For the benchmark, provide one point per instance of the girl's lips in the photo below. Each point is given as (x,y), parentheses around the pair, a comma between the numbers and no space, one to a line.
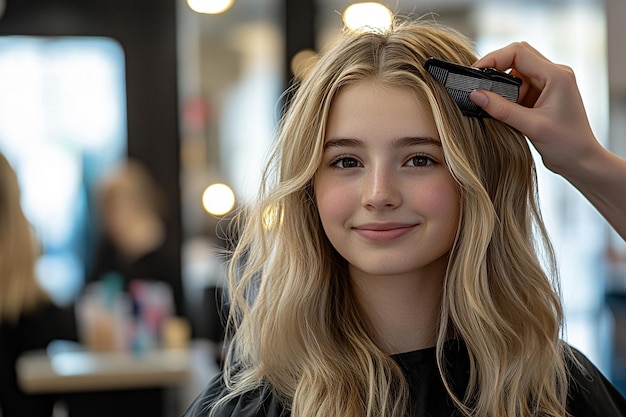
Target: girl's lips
(384,234)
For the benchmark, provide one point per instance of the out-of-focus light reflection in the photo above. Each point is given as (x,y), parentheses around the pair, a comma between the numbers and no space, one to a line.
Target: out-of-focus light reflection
(210,6)
(218,199)
(303,62)
(272,217)
(368,17)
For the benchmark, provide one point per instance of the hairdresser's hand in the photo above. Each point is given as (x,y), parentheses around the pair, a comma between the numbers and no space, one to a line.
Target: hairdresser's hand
(551,112)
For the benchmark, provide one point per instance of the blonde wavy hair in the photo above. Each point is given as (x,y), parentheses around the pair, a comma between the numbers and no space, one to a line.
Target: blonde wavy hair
(295,324)
(20,291)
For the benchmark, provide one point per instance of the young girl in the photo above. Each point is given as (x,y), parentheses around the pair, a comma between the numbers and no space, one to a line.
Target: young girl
(392,265)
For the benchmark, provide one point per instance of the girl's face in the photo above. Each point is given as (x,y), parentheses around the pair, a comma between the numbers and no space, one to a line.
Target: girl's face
(387,202)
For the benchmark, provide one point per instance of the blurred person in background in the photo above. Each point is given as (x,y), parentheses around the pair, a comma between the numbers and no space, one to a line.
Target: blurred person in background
(133,219)
(29,319)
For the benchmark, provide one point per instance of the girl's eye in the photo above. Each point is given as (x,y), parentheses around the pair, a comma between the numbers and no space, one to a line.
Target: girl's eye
(420,161)
(345,162)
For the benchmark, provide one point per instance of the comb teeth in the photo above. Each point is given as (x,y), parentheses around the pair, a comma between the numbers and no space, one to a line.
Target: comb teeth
(461,98)
(439,74)
(465,83)
(459,87)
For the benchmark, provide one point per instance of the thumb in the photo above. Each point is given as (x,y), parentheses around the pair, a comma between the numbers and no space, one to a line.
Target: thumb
(499,108)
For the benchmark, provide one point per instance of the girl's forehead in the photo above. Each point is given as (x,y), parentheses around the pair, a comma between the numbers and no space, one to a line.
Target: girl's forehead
(372,108)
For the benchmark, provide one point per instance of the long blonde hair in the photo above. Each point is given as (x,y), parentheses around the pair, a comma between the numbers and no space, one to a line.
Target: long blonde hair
(295,323)
(19,289)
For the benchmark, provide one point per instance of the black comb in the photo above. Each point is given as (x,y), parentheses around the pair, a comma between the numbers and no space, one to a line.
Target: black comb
(460,81)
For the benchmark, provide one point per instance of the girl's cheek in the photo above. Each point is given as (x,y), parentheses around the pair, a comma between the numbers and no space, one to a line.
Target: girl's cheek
(334,200)
(440,198)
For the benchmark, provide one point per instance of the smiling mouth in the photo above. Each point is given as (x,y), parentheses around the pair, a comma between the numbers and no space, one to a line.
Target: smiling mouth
(384,234)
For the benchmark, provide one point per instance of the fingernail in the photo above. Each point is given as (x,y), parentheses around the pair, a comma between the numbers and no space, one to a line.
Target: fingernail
(479,98)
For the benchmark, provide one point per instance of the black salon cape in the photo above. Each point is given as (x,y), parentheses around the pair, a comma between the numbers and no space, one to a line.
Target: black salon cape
(33,331)
(591,394)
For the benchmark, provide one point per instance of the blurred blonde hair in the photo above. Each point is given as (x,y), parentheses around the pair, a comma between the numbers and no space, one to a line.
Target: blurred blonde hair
(20,291)
(295,323)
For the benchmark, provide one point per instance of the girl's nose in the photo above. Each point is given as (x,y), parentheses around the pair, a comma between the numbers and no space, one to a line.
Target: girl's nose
(380,189)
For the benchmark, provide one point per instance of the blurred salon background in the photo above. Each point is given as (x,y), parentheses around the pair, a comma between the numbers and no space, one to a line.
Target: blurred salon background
(135,127)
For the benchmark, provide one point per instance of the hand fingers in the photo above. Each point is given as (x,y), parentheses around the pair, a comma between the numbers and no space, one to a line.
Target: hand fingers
(523,58)
(498,58)
(528,94)
(504,110)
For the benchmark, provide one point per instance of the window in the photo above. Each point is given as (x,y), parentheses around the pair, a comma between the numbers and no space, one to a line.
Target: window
(62,124)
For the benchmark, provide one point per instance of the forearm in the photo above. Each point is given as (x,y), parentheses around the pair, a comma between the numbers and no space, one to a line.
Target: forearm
(602,180)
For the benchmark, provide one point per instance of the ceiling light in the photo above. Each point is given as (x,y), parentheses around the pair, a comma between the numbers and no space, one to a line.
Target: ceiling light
(210,6)
(218,199)
(368,17)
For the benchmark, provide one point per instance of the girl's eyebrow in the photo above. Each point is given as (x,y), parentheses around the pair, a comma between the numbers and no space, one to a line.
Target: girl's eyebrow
(408,141)
(403,142)
(342,143)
